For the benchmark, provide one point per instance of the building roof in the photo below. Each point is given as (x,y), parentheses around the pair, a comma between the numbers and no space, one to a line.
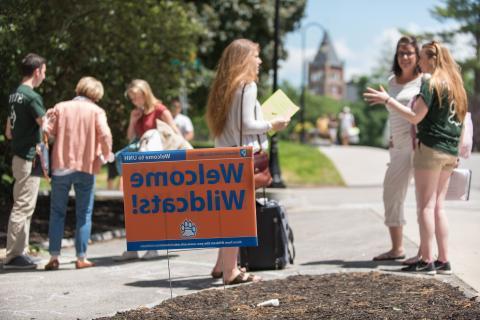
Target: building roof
(326,54)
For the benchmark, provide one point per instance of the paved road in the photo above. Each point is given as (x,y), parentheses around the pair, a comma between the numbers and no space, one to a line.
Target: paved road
(336,230)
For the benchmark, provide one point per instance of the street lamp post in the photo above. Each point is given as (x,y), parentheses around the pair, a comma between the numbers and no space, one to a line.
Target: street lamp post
(273,161)
(304,75)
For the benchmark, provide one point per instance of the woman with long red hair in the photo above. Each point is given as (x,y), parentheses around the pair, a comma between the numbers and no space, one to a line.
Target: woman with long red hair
(234,88)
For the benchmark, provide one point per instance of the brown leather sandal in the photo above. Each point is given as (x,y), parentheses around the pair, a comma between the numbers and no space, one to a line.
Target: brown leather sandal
(52,265)
(79,264)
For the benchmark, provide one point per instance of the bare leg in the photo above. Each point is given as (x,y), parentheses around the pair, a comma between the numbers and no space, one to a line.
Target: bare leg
(396,235)
(218,264)
(230,270)
(426,182)
(227,264)
(441,222)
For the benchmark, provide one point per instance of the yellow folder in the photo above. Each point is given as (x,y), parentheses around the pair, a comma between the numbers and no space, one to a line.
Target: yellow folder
(278,105)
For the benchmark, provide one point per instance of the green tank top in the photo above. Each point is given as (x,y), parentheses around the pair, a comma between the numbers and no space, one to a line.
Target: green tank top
(440,129)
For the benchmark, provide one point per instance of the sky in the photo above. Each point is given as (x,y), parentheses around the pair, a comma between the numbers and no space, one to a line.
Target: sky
(361,30)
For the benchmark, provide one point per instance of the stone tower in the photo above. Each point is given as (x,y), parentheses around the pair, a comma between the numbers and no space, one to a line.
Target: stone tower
(325,73)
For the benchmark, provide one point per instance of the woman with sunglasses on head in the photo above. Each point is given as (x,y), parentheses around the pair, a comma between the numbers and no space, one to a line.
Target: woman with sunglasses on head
(439,113)
(403,85)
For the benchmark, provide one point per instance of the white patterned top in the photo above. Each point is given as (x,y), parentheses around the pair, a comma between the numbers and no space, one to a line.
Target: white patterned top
(403,93)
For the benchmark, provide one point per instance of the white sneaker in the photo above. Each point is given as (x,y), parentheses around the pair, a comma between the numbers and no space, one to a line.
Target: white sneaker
(150,254)
(127,255)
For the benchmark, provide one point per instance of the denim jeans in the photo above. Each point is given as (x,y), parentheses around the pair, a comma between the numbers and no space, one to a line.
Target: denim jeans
(84,186)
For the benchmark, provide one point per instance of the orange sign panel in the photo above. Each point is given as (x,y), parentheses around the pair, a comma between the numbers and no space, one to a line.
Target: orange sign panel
(189,199)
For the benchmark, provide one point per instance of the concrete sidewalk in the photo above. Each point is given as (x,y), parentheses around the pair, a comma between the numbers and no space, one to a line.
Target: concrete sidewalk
(368,169)
(336,230)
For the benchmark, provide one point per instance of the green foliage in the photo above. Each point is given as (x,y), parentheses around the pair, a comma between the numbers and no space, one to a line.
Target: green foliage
(115,41)
(233,19)
(167,43)
(370,120)
(201,129)
(112,40)
(466,13)
(6,179)
(253,19)
(306,165)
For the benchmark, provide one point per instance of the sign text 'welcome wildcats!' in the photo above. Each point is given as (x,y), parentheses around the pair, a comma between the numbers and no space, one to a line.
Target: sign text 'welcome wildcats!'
(189,199)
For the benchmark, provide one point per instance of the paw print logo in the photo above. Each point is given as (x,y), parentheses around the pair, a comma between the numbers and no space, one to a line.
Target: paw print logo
(188,229)
(243,152)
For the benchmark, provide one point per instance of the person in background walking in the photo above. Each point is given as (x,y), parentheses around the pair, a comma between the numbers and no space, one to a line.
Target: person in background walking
(83,142)
(23,128)
(332,128)
(183,122)
(403,86)
(439,113)
(347,122)
(234,88)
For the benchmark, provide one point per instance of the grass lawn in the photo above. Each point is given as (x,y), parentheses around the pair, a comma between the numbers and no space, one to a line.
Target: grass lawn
(301,165)
(304,165)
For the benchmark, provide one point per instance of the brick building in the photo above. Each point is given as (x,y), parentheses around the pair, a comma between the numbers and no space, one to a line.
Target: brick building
(325,72)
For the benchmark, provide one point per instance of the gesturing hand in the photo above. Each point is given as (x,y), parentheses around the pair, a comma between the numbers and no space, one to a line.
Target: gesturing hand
(373,96)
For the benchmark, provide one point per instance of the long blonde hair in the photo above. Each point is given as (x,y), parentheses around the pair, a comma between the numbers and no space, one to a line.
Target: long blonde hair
(142,86)
(446,75)
(234,69)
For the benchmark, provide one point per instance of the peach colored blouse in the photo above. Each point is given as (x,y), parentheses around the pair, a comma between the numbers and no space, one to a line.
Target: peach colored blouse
(81,134)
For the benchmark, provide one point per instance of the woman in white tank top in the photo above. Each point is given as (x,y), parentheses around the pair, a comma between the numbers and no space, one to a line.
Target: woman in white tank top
(404,84)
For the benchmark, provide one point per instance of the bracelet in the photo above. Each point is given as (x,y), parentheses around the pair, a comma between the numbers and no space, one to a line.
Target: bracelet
(386,100)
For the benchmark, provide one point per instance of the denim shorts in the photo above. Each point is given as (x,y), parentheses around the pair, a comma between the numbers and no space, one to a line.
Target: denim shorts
(431,159)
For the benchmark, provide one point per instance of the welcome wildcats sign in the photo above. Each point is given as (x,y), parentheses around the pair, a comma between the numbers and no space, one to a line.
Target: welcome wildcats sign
(189,199)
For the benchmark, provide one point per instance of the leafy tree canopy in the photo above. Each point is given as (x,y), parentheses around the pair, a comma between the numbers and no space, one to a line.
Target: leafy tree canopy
(467,14)
(113,40)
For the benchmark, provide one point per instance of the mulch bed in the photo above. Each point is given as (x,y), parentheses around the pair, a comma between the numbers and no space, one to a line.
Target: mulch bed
(371,295)
(107,216)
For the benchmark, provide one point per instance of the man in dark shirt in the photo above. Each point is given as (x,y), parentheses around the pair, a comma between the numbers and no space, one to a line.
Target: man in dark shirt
(24,129)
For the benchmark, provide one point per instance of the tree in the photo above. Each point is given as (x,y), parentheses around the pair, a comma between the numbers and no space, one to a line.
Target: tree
(467,14)
(166,42)
(252,19)
(112,40)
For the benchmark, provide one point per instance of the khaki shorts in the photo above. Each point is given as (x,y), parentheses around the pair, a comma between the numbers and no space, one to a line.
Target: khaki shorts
(431,159)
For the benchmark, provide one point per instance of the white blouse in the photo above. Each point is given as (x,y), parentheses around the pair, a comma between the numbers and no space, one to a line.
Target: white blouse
(251,128)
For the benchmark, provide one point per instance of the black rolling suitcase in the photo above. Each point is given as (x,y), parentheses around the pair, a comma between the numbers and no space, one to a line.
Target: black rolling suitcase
(275,239)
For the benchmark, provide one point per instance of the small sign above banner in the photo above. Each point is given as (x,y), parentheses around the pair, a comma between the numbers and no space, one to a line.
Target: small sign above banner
(182,199)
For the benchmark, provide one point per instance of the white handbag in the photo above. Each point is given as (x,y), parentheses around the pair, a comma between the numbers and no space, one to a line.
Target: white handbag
(459,186)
